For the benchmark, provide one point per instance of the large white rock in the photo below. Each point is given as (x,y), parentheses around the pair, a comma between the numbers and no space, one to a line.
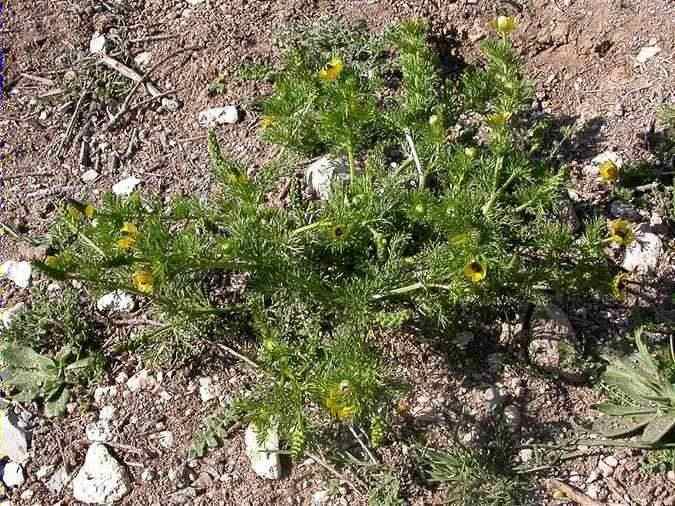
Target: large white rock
(13,439)
(13,475)
(125,186)
(643,254)
(228,114)
(263,454)
(115,301)
(19,272)
(101,480)
(321,174)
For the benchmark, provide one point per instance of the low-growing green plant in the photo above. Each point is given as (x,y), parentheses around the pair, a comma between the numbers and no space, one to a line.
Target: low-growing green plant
(34,371)
(39,376)
(477,476)
(446,213)
(646,402)
(386,491)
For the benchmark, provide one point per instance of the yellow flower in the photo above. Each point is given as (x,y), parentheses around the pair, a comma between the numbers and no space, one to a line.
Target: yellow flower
(332,70)
(621,232)
(609,172)
(77,209)
(498,119)
(126,243)
(470,152)
(130,234)
(143,280)
(618,285)
(266,121)
(337,232)
(475,271)
(338,401)
(89,211)
(129,229)
(51,261)
(504,24)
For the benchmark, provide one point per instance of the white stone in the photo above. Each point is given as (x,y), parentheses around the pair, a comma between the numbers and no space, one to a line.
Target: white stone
(89,176)
(208,390)
(13,475)
(107,413)
(605,470)
(320,498)
(643,253)
(8,315)
(19,272)
(263,455)
(142,380)
(102,394)
(611,461)
(143,60)
(493,397)
(115,301)
(195,2)
(58,481)
(97,44)
(43,472)
(101,480)
(526,454)
(228,114)
(148,475)
(321,174)
(99,432)
(13,439)
(166,439)
(512,415)
(647,53)
(125,186)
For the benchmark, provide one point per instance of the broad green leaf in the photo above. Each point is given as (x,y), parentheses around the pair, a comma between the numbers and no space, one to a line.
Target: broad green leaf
(57,407)
(80,364)
(22,357)
(22,379)
(616,426)
(609,408)
(27,395)
(658,428)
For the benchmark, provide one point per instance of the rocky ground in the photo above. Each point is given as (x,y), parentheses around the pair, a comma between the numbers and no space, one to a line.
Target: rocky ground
(602,66)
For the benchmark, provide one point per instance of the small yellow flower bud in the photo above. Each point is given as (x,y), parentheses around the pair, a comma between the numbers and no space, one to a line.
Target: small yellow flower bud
(143,281)
(504,24)
(332,70)
(609,172)
(475,271)
(621,232)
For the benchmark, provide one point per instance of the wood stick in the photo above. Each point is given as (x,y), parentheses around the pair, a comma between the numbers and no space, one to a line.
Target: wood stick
(129,73)
(69,130)
(572,493)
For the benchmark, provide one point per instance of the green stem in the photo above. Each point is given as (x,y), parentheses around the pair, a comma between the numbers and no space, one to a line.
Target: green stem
(410,288)
(308,228)
(352,165)
(496,192)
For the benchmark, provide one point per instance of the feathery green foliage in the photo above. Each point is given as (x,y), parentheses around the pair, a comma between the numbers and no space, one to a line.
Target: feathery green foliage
(445,212)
